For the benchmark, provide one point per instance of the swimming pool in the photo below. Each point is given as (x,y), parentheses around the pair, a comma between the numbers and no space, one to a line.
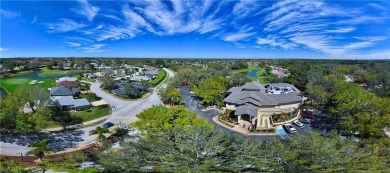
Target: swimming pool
(281,131)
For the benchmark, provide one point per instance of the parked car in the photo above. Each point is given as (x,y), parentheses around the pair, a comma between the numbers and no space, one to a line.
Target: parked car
(305,120)
(298,123)
(308,111)
(290,128)
(309,116)
(108,124)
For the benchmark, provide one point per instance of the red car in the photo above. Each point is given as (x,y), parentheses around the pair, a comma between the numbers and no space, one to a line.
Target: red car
(306,115)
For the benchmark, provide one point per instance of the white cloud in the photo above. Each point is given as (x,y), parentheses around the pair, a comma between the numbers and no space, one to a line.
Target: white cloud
(237,36)
(34,20)
(95,48)
(9,14)
(372,38)
(341,30)
(73,44)
(272,41)
(65,25)
(2,49)
(87,10)
(244,7)
(292,23)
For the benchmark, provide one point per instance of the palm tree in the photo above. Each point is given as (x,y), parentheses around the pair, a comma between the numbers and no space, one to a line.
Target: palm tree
(100,132)
(40,148)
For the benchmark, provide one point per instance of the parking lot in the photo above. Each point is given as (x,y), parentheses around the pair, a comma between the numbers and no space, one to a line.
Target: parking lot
(320,122)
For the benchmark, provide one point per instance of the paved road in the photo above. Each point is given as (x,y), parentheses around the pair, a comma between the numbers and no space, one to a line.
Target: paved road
(124,112)
(192,105)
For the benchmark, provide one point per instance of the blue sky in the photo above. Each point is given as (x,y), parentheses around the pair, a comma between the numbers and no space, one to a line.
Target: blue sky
(196,29)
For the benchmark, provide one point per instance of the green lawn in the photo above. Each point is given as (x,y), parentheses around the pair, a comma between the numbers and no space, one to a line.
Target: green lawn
(92,113)
(20,73)
(159,78)
(261,78)
(48,72)
(11,84)
(85,115)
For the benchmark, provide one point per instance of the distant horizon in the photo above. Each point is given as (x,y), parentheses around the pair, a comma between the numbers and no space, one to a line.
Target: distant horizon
(241,29)
(336,59)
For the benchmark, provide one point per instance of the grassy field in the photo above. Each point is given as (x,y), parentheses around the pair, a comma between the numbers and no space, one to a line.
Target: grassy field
(160,77)
(20,73)
(11,84)
(92,113)
(261,78)
(85,115)
(48,72)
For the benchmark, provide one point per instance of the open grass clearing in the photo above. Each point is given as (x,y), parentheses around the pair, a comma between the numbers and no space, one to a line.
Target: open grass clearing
(11,84)
(84,115)
(48,72)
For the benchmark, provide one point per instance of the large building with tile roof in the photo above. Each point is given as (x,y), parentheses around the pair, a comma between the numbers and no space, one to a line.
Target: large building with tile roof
(249,100)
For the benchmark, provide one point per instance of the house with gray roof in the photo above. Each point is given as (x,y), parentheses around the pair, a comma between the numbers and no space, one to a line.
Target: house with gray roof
(64,91)
(249,100)
(68,102)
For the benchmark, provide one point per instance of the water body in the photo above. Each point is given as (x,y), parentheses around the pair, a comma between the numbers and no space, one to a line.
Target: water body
(36,75)
(3,93)
(252,73)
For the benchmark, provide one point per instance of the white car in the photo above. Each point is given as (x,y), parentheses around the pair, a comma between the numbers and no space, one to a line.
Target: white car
(298,123)
(290,128)
(305,120)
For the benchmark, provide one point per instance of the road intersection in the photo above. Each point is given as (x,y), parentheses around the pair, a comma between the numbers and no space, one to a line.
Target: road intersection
(124,112)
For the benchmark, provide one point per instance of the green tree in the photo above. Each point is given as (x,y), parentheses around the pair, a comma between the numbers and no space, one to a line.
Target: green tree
(170,95)
(107,82)
(238,79)
(32,96)
(363,111)
(318,93)
(130,91)
(210,89)
(160,118)
(100,133)
(40,148)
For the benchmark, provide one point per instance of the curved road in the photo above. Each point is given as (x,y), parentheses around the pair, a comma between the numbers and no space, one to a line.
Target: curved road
(124,112)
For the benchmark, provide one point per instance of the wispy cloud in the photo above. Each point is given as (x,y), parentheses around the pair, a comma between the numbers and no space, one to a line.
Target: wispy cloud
(291,23)
(372,38)
(65,25)
(273,42)
(87,10)
(240,35)
(2,49)
(73,44)
(34,20)
(95,48)
(9,14)
(244,7)
(341,30)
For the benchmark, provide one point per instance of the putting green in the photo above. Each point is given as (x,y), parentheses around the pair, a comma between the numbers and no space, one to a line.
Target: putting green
(11,84)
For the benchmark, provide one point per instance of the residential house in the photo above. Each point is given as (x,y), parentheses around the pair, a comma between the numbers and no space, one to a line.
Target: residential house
(100,74)
(139,78)
(67,78)
(256,103)
(89,75)
(66,83)
(151,73)
(68,102)
(64,91)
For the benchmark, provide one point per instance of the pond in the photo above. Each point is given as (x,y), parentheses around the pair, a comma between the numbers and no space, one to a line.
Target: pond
(35,75)
(252,73)
(3,93)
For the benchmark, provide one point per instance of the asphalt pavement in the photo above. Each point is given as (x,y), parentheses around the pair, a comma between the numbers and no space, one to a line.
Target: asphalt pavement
(191,103)
(124,112)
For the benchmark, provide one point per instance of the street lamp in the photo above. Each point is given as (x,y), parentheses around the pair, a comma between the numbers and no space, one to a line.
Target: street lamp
(21,155)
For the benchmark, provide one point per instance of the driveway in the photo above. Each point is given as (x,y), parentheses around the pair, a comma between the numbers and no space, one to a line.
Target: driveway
(124,112)
(192,104)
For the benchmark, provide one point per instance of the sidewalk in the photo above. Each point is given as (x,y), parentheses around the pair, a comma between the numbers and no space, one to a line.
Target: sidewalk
(56,129)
